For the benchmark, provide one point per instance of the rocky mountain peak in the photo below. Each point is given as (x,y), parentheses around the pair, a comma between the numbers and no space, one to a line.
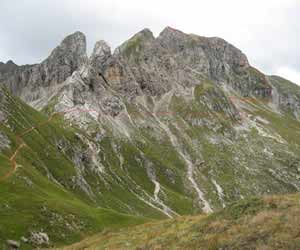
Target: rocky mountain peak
(72,47)
(175,41)
(213,47)
(7,67)
(169,31)
(10,62)
(75,42)
(31,81)
(143,35)
(101,53)
(136,43)
(66,58)
(146,33)
(170,36)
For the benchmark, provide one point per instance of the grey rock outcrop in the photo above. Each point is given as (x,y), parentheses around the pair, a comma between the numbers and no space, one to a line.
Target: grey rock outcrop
(143,65)
(175,58)
(100,55)
(112,106)
(7,70)
(4,142)
(12,244)
(286,95)
(24,239)
(29,81)
(39,239)
(8,67)
(69,56)
(3,115)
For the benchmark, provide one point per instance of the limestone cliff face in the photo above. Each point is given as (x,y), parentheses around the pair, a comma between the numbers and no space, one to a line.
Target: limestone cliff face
(286,95)
(143,65)
(69,56)
(156,65)
(30,81)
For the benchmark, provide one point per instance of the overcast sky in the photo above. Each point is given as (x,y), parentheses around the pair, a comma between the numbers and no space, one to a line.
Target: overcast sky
(268,32)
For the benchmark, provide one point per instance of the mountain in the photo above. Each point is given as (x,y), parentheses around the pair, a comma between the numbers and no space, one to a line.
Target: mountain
(164,126)
(6,69)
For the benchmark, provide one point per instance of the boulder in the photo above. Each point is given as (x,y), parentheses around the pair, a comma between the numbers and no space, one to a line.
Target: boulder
(12,244)
(39,238)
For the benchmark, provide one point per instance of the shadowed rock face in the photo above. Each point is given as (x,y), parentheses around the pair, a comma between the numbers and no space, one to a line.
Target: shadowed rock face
(7,69)
(10,66)
(175,58)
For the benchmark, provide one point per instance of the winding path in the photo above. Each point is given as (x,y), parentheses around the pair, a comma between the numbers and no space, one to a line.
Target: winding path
(21,144)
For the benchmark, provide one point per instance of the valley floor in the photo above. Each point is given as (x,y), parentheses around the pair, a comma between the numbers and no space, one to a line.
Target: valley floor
(266,223)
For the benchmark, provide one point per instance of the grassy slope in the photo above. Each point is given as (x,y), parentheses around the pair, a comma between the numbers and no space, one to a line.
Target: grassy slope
(243,164)
(44,206)
(255,223)
(232,166)
(34,201)
(41,205)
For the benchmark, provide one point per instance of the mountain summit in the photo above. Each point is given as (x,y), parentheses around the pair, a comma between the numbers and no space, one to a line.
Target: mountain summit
(149,65)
